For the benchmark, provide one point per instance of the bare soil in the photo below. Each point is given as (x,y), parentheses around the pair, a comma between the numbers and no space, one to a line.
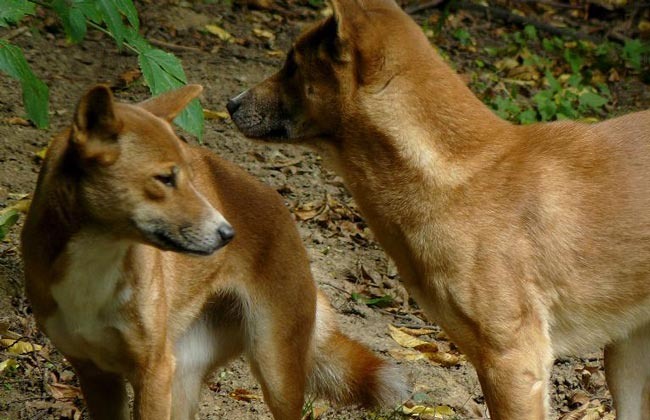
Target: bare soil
(345,259)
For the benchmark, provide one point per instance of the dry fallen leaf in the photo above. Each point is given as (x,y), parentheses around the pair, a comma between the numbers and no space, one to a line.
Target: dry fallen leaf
(41,153)
(221,33)
(263,33)
(416,332)
(21,206)
(8,364)
(64,392)
(241,394)
(213,115)
(443,358)
(408,341)
(435,412)
(19,347)
(408,355)
(63,410)
(16,121)
(128,77)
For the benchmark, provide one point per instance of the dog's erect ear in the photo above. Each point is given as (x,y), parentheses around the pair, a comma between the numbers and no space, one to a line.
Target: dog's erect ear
(345,12)
(95,115)
(169,104)
(95,126)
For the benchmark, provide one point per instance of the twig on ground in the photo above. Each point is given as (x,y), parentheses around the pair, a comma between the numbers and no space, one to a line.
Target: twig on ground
(415,326)
(16,32)
(420,7)
(171,46)
(509,17)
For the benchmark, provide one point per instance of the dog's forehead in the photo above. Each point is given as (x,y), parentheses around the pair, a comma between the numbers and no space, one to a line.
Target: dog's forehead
(148,129)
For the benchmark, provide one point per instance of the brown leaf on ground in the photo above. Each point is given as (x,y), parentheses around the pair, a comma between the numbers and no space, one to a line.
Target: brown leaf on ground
(16,121)
(58,409)
(18,346)
(208,114)
(64,392)
(127,77)
(241,394)
(416,332)
(221,33)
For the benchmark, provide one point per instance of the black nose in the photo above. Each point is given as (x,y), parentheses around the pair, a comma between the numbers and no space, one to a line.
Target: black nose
(233,105)
(226,232)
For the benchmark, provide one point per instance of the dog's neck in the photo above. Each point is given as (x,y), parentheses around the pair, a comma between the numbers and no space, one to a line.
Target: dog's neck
(428,124)
(57,212)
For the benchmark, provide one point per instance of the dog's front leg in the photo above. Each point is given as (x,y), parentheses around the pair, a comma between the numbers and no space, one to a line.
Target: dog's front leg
(515,373)
(153,386)
(104,393)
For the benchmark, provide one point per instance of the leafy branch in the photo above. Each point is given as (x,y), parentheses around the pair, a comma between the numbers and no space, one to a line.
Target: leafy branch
(162,71)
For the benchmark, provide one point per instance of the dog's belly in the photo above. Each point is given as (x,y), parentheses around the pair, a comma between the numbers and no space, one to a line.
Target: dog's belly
(581,328)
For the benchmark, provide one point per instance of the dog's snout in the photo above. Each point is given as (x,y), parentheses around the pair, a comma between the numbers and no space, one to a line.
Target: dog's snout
(234,103)
(226,232)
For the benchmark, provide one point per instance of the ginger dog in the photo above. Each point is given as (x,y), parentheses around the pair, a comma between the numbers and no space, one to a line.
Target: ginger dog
(522,242)
(119,189)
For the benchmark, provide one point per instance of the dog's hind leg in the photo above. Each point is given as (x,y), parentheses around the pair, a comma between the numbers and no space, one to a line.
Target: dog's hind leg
(627,365)
(278,349)
(213,339)
(105,393)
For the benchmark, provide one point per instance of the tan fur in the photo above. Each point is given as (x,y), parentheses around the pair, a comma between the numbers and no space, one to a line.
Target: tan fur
(522,242)
(116,193)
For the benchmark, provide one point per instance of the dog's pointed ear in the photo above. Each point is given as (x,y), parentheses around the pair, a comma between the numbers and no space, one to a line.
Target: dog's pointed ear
(169,104)
(95,126)
(345,14)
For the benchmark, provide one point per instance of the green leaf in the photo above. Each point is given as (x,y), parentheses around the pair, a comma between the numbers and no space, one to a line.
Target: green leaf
(127,8)
(134,39)
(545,106)
(7,220)
(531,32)
(632,52)
(110,14)
(529,116)
(553,83)
(35,92)
(73,18)
(162,72)
(574,59)
(12,11)
(89,9)
(592,100)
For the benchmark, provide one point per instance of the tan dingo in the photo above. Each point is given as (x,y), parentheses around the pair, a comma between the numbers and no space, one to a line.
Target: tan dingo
(522,242)
(116,191)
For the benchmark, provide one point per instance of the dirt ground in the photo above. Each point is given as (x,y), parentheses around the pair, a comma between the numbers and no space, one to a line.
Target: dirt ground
(346,262)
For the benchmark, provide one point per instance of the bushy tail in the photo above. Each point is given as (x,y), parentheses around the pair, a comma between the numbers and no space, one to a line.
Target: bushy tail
(348,373)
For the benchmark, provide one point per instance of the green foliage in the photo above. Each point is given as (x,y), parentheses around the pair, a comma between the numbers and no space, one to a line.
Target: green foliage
(463,36)
(634,51)
(561,80)
(35,92)
(7,220)
(118,18)
(12,11)
(380,301)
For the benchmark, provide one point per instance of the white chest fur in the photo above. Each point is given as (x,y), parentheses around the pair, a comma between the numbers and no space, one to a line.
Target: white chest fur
(89,298)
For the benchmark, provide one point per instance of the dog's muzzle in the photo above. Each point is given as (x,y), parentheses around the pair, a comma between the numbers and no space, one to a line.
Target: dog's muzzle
(257,119)
(190,240)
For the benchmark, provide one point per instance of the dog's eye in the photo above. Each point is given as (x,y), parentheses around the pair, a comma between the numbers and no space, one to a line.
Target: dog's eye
(168,180)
